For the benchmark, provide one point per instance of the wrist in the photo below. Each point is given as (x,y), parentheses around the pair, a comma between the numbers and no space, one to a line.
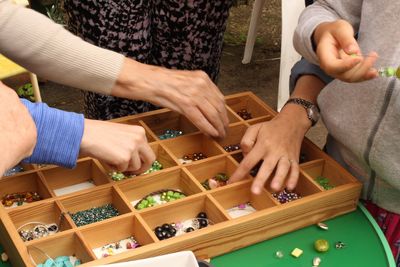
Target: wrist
(296,116)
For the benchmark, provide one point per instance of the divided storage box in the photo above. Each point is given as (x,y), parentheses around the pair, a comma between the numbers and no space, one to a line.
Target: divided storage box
(224,235)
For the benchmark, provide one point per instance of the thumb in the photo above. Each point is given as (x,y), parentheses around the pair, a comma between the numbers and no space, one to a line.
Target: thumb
(344,35)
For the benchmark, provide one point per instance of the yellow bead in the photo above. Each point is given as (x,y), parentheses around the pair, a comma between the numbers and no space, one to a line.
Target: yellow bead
(297,252)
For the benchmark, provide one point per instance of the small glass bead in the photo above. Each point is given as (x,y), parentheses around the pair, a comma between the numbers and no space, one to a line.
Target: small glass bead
(279,254)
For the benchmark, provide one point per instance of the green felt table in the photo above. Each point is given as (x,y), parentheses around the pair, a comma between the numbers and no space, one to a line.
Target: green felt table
(365,246)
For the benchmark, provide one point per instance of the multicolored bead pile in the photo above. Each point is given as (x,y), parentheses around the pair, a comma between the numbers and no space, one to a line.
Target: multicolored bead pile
(218,180)
(116,247)
(159,197)
(286,196)
(93,215)
(20,198)
(14,170)
(170,134)
(324,182)
(189,158)
(166,230)
(119,176)
(231,148)
(389,72)
(61,261)
(244,114)
(38,230)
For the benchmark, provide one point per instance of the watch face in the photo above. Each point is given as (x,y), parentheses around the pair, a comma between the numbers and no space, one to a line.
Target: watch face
(313,114)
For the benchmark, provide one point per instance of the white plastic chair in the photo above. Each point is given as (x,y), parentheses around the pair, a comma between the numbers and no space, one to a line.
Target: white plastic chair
(291,10)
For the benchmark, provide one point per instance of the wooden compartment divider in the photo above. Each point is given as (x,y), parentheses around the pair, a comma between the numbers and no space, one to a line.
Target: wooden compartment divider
(227,233)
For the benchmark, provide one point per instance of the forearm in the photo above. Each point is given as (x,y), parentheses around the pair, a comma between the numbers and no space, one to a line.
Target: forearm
(59,135)
(37,43)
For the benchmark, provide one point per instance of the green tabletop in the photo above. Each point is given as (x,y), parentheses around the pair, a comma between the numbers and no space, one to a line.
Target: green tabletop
(365,246)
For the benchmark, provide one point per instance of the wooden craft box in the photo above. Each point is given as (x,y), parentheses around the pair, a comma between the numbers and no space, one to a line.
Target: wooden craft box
(226,234)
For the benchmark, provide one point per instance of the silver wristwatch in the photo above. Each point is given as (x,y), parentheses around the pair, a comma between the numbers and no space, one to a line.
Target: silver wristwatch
(311,109)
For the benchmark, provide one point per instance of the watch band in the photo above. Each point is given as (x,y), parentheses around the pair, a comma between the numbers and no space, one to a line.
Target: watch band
(307,105)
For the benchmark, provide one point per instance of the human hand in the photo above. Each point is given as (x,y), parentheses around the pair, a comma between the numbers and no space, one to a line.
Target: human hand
(123,147)
(340,55)
(277,143)
(190,93)
(17,129)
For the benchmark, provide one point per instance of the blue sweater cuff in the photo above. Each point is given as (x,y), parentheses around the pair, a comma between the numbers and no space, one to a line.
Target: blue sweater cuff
(59,135)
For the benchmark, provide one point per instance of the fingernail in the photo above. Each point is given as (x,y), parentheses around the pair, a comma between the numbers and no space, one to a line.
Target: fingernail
(351,49)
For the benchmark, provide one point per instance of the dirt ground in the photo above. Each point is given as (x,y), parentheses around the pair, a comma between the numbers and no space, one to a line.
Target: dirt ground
(260,76)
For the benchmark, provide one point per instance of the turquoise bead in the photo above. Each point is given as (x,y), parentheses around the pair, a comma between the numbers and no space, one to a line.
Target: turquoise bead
(61,259)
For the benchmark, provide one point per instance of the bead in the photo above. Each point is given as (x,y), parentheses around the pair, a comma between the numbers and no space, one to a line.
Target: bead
(322,226)
(316,261)
(20,198)
(203,223)
(189,229)
(202,215)
(324,182)
(244,114)
(297,252)
(321,245)
(93,215)
(279,254)
(285,196)
(170,134)
(4,257)
(340,245)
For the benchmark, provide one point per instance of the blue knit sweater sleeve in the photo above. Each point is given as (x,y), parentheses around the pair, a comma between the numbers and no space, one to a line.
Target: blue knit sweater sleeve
(59,135)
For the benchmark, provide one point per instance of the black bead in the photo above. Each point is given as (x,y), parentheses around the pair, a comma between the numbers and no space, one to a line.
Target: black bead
(159,235)
(166,227)
(173,231)
(203,223)
(202,215)
(189,229)
(168,235)
(158,229)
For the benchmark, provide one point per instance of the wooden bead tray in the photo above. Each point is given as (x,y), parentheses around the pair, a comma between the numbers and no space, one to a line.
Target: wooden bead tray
(226,234)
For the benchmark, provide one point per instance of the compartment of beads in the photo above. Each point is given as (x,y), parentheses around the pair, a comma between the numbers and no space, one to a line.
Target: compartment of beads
(22,189)
(233,137)
(238,200)
(184,217)
(39,221)
(325,174)
(65,250)
(146,192)
(97,205)
(305,187)
(86,175)
(247,107)
(215,173)
(163,161)
(169,124)
(106,239)
(191,148)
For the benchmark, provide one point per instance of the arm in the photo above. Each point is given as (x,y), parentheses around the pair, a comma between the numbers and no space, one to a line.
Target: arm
(325,36)
(17,130)
(35,42)
(63,136)
(278,142)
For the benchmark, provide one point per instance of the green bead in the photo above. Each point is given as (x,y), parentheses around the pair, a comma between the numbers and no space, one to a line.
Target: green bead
(398,73)
(390,71)
(141,206)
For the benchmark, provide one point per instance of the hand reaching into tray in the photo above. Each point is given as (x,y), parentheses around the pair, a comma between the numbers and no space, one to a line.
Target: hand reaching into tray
(277,143)
(190,93)
(123,147)
(18,131)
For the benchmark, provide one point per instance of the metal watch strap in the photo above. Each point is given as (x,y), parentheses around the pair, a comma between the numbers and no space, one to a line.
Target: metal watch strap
(305,104)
